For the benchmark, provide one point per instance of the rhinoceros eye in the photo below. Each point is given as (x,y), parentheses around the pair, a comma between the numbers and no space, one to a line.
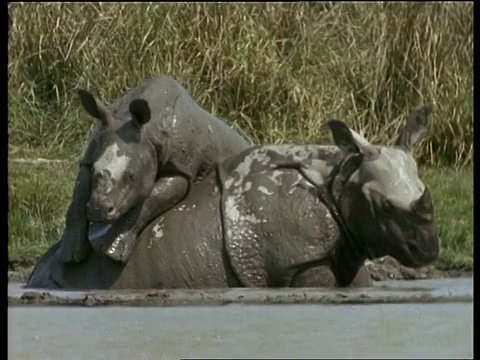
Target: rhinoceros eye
(388,207)
(130,176)
(95,178)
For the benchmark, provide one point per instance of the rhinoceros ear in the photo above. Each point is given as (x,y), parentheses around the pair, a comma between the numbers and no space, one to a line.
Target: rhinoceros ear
(415,128)
(140,111)
(350,141)
(95,108)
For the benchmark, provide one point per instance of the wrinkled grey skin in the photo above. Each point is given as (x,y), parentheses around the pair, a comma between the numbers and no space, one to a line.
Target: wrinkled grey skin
(275,227)
(384,206)
(147,149)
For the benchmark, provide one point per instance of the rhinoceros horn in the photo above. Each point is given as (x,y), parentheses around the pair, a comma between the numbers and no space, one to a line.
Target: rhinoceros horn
(423,206)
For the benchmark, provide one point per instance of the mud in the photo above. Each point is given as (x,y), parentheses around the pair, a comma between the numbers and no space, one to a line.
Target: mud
(453,290)
(387,268)
(382,269)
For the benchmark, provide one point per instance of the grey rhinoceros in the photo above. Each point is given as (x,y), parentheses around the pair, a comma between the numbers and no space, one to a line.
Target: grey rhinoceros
(278,216)
(148,147)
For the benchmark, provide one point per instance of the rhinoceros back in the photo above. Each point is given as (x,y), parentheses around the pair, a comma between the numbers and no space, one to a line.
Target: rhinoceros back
(198,139)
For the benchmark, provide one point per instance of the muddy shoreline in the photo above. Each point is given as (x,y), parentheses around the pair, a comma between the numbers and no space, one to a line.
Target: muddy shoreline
(204,298)
(389,292)
(387,268)
(381,269)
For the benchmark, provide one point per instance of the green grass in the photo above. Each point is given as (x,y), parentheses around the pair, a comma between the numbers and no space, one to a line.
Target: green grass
(38,200)
(452,191)
(39,196)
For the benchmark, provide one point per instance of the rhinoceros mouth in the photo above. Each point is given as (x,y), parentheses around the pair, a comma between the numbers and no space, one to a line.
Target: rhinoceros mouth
(412,255)
(96,233)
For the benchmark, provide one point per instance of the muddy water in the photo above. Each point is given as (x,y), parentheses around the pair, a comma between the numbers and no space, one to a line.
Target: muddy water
(240,331)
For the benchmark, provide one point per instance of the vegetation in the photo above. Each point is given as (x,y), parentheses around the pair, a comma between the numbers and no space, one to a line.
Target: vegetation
(277,71)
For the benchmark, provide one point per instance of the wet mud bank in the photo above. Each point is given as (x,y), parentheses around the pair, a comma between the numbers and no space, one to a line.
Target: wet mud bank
(387,268)
(398,292)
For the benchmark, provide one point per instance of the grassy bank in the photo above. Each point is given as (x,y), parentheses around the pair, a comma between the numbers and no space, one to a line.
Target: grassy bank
(39,196)
(275,70)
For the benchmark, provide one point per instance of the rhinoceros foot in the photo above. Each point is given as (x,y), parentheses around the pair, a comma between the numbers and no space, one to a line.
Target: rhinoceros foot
(75,246)
(121,248)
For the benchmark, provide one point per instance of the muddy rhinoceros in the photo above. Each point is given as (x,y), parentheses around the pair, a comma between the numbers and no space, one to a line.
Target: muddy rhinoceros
(278,216)
(147,149)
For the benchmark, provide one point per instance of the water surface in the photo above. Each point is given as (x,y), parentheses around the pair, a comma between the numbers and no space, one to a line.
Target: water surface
(246,331)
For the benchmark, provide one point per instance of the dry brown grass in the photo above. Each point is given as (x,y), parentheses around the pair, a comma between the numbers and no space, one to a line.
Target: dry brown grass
(276,70)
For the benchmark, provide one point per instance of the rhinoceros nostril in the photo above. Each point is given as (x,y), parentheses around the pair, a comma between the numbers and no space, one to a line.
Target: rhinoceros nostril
(110,210)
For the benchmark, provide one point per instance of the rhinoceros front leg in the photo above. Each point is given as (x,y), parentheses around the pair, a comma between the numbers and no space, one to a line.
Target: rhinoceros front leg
(74,243)
(348,267)
(323,276)
(121,238)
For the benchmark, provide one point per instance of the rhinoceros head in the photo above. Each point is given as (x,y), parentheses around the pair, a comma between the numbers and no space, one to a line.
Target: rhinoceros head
(390,208)
(125,164)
